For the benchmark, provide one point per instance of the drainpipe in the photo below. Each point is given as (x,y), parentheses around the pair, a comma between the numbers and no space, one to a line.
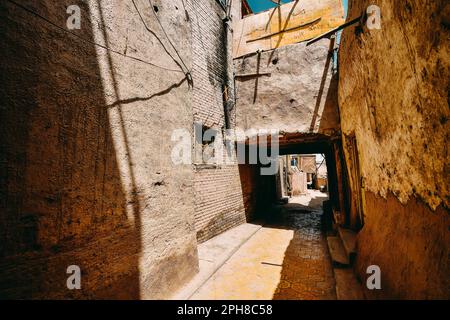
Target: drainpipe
(226,80)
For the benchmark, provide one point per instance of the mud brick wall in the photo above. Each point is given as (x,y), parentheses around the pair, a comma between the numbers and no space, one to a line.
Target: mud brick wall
(393,95)
(298,92)
(85,171)
(218,196)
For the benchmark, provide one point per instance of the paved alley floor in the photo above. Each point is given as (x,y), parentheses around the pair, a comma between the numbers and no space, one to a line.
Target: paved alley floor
(287,258)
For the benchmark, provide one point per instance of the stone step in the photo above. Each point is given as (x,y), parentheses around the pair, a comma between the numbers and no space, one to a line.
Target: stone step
(337,251)
(347,285)
(348,238)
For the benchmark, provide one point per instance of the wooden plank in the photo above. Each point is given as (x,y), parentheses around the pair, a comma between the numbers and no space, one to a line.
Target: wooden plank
(286,24)
(243,75)
(285,30)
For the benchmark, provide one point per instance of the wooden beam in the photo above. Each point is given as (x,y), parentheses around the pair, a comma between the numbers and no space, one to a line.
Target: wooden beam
(243,75)
(333,31)
(285,30)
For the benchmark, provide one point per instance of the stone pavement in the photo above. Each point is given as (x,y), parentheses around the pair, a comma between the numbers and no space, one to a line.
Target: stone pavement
(285,259)
(212,254)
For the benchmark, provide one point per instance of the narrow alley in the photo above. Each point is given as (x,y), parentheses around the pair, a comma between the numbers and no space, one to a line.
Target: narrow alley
(287,258)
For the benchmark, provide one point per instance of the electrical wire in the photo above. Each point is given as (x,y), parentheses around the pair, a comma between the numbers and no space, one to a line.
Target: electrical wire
(167,36)
(156,36)
(87,40)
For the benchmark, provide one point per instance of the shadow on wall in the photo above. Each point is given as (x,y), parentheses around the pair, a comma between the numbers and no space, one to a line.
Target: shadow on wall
(248,175)
(62,201)
(306,271)
(258,192)
(328,121)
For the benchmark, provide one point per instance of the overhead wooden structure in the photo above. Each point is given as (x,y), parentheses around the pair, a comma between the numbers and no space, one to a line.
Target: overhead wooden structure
(289,23)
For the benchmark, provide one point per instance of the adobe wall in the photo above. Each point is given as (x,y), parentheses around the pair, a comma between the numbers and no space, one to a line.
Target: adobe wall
(85,174)
(296,93)
(393,95)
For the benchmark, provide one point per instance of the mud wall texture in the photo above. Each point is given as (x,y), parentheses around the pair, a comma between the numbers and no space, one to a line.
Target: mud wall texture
(393,95)
(296,90)
(410,245)
(85,134)
(218,197)
(290,23)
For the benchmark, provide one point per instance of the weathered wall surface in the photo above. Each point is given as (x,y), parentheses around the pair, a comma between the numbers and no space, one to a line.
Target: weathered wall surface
(299,94)
(393,94)
(218,199)
(299,183)
(410,245)
(210,63)
(288,23)
(235,10)
(250,175)
(85,138)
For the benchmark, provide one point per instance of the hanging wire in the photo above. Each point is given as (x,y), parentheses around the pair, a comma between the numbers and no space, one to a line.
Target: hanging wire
(88,40)
(156,36)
